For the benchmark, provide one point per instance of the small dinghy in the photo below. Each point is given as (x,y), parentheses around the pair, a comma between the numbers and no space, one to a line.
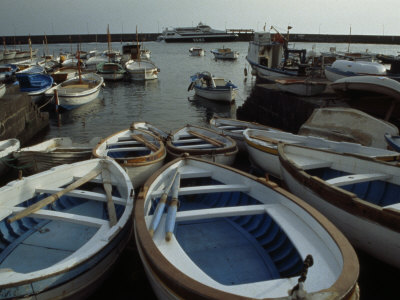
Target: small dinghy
(225,53)
(225,234)
(76,91)
(393,141)
(213,88)
(63,229)
(7,148)
(202,142)
(196,51)
(141,70)
(138,151)
(234,129)
(52,153)
(346,68)
(262,146)
(359,195)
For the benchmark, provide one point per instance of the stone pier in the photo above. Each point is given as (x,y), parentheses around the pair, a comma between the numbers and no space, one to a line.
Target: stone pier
(19,117)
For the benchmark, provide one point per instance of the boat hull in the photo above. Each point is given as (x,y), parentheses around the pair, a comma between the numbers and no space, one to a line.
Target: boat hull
(221,95)
(362,210)
(380,242)
(201,39)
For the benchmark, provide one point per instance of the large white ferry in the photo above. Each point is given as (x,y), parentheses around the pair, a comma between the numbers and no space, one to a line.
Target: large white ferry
(200,33)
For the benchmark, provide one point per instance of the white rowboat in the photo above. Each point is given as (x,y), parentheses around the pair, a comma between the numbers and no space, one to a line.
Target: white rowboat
(235,236)
(63,250)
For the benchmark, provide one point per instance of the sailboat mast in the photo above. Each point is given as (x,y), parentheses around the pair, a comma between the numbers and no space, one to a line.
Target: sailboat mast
(109,42)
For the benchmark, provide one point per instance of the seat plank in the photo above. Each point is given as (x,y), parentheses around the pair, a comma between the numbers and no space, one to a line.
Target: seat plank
(206,189)
(61,216)
(222,212)
(83,194)
(356,178)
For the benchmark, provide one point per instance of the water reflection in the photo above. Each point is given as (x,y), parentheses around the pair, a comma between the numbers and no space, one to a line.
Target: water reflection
(209,107)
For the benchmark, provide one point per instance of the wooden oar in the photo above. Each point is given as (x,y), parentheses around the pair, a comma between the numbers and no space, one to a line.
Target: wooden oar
(173,207)
(160,206)
(206,138)
(50,199)
(145,142)
(105,174)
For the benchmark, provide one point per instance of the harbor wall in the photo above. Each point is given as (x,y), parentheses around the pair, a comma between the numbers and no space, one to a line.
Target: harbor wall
(19,117)
(269,106)
(130,37)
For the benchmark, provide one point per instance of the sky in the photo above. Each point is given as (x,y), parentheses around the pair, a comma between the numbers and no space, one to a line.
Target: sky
(36,17)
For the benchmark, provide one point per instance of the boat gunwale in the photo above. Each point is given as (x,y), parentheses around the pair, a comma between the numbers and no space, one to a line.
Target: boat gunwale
(188,288)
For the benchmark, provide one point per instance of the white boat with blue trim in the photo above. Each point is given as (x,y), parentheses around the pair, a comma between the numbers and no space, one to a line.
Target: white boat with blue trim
(63,229)
(207,231)
(359,195)
(346,68)
(214,88)
(202,142)
(262,146)
(140,152)
(76,91)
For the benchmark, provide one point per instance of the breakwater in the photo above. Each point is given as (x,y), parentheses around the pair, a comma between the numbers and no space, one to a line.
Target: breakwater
(246,36)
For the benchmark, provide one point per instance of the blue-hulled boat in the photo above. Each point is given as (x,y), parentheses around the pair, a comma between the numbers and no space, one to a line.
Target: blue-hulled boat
(393,141)
(34,84)
(225,234)
(359,195)
(65,248)
(7,72)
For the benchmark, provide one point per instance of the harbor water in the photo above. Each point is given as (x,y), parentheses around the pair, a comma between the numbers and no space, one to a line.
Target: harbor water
(167,104)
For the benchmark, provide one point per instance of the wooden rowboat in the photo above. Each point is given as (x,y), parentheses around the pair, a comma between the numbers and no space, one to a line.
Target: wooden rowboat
(139,152)
(348,124)
(359,195)
(262,146)
(234,129)
(52,153)
(58,238)
(235,236)
(76,91)
(202,142)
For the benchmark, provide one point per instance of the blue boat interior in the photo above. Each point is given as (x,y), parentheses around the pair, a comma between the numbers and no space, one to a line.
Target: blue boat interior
(234,250)
(32,244)
(33,82)
(378,192)
(128,153)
